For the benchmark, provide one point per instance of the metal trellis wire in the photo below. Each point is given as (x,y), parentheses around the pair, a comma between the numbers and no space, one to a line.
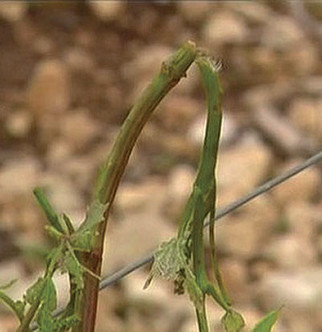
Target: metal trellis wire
(118,275)
(114,277)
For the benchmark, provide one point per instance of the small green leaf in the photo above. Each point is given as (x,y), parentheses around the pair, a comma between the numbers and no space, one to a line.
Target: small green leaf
(83,240)
(46,321)
(18,307)
(233,321)
(34,292)
(75,269)
(66,323)
(95,215)
(48,209)
(266,324)
(49,295)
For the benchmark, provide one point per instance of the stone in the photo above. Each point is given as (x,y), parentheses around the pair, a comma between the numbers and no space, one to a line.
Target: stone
(302,60)
(235,276)
(225,27)
(282,33)
(194,12)
(64,196)
(177,112)
(140,225)
(48,88)
(79,60)
(254,12)
(14,11)
(18,124)
(246,232)
(306,114)
(180,182)
(107,11)
(303,219)
(241,168)
(302,187)
(291,252)
(299,291)
(144,67)
(19,176)
(279,131)
(154,302)
(79,129)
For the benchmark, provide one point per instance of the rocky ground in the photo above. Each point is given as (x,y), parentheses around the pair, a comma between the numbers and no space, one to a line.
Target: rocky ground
(70,73)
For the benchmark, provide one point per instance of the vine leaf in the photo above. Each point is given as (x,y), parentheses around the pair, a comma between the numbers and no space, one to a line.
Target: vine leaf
(233,321)
(84,238)
(170,263)
(267,323)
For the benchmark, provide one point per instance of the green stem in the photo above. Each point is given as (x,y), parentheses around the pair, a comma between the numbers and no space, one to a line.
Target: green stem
(202,318)
(111,172)
(11,304)
(214,261)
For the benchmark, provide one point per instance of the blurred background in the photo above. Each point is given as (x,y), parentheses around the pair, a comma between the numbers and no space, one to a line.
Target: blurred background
(69,75)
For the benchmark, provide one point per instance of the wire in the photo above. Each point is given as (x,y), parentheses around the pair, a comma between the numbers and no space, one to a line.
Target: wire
(111,279)
(116,276)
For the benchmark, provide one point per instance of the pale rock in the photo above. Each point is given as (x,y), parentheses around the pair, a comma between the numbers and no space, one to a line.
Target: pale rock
(145,66)
(79,60)
(302,187)
(22,214)
(154,300)
(14,11)
(11,270)
(282,33)
(19,176)
(141,226)
(79,129)
(109,301)
(254,12)
(241,168)
(63,195)
(291,252)
(44,46)
(49,88)
(8,323)
(260,268)
(18,124)
(174,147)
(303,219)
(280,132)
(299,292)
(311,85)
(225,27)
(235,276)
(58,153)
(246,232)
(177,112)
(303,60)
(180,182)
(194,12)
(107,10)
(81,169)
(306,114)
